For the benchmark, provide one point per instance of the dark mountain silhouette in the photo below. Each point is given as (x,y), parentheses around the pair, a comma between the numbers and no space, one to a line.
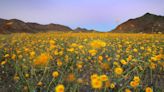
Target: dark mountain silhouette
(148,23)
(18,26)
(79,29)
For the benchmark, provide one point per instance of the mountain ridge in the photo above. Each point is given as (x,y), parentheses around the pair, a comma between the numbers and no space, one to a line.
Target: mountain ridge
(19,26)
(79,29)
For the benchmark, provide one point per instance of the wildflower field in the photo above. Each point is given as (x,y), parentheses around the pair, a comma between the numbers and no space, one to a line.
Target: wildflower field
(81,62)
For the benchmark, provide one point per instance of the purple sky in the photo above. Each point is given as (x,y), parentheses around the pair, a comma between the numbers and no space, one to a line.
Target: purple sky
(102,15)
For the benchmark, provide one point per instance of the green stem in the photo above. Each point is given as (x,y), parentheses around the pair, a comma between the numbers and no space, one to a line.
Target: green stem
(50,84)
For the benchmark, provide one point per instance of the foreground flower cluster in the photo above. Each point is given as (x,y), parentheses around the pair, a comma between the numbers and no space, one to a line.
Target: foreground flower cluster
(82,62)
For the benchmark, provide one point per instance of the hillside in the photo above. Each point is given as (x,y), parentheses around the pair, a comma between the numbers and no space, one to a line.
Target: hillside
(148,23)
(18,26)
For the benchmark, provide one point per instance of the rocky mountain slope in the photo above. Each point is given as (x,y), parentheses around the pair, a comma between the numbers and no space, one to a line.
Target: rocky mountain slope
(148,23)
(15,26)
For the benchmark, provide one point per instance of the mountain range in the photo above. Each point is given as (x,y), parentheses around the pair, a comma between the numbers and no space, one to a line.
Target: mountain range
(79,29)
(15,25)
(148,23)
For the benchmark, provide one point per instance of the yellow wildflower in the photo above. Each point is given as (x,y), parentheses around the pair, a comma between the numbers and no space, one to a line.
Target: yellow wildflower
(7,55)
(112,85)
(81,47)
(107,84)
(74,45)
(142,48)
(118,70)
(59,88)
(93,52)
(135,50)
(3,62)
(52,42)
(79,65)
(134,84)
(105,66)
(152,65)
(100,58)
(148,89)
(16,77)
(71,77)
(41,60)
(136,79)
(123,62)
(55,74)
(70,49)
(97,44)
(153,59)
(27,75)
(127,90)
(59,62)
(39,83)
(94,77)
(13,57)
(97,84)
(103,77)
(32,54)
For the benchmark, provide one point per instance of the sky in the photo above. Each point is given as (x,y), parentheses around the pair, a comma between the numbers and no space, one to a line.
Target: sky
(101,15)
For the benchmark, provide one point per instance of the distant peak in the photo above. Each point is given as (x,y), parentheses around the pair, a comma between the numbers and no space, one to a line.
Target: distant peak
(80,28)
(15,20)
(2,19)
(149,14)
